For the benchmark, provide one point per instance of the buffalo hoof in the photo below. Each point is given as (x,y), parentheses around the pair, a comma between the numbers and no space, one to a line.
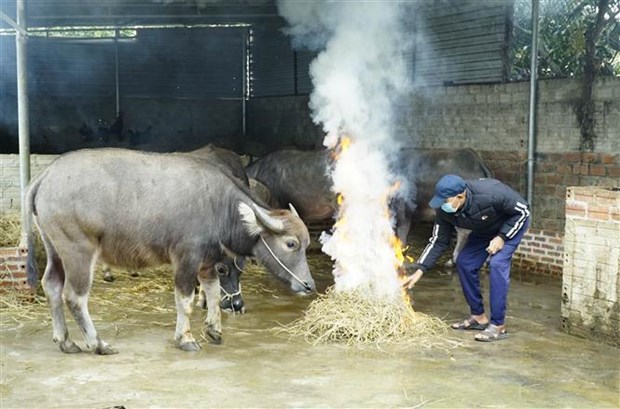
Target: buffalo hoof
(105,350)
(215,336)
(134,274)
(109,278)
(191,346)
(69,347)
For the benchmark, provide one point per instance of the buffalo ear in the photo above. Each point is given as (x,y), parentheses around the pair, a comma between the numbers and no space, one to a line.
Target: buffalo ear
(257,220)
(268,221)
(249,219)
(293,210)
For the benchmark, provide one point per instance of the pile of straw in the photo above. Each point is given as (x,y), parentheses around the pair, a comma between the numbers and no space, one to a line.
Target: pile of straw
(10,230)
(354,319)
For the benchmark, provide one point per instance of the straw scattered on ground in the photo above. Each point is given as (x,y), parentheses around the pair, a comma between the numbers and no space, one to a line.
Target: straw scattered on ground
(347,318)
(10,230)
(354,319)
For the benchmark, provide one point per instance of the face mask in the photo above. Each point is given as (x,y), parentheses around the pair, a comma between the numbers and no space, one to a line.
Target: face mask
(447,207)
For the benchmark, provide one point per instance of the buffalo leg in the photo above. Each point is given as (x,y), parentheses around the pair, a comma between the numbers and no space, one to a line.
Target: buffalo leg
(461,239)
(79,275)
(107,274)
(202,298)
(402,218)
(53,283)
(210,284)
(185,284)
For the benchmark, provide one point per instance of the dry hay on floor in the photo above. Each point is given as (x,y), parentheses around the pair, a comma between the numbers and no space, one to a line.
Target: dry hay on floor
(18,307)
(353,319)
(151,291)
(10,230)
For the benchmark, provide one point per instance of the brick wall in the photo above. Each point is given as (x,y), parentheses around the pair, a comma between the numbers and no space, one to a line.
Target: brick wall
(493,120)
(591,273)
(10,198)
(541,252)
(13,269)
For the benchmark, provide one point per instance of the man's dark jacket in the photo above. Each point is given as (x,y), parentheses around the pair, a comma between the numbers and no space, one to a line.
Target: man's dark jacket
(491,209)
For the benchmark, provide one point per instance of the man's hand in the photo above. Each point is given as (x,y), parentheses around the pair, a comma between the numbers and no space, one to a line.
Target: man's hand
(495,245)
(412,279)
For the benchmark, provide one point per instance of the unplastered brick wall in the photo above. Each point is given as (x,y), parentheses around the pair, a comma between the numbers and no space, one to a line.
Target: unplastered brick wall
(10,197)
(13,273)
(493,120)
(541,252)
(591,273)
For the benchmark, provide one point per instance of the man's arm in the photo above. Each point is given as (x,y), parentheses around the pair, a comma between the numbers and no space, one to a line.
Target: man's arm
(515,207)
(437,244)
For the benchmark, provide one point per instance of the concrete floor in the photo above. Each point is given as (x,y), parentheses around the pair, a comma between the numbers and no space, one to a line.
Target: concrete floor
(538,366)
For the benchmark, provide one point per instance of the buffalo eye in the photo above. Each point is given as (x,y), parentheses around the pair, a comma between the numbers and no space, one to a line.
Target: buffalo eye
(291,244)
(221,269)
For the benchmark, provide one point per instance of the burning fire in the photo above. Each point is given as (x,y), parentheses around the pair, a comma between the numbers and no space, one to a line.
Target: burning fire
(367,252)
(399,251)
(345,142)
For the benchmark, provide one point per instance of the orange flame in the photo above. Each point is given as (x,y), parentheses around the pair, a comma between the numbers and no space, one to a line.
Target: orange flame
(343,145)
(399,250)
(345,142)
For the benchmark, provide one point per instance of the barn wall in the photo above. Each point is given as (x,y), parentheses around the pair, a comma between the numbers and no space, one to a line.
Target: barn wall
(591,279)
(158,124)
(277,122)
(178,89)
(493,119)
(10,199)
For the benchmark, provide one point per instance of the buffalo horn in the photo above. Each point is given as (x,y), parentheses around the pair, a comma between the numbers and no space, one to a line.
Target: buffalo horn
(293,210)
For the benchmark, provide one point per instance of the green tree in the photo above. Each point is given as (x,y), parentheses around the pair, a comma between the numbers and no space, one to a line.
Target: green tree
(574,36)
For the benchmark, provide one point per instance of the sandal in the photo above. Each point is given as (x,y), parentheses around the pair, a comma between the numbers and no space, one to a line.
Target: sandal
(491,334)
(469,324)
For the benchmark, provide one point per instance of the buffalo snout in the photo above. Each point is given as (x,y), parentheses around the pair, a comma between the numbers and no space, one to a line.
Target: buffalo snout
(233,304)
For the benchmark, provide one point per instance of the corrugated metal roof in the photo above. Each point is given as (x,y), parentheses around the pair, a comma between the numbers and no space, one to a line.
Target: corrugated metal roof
(48,13)
(272,65)
(303,60)
(197,63)
(171,63)
(466,43)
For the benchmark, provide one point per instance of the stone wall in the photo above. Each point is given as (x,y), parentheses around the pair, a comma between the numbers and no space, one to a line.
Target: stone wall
(591,274)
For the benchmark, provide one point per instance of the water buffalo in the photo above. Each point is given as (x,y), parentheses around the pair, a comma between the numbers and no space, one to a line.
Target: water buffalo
(297,177)
(134,209)
(229,270)
(224,158)
(302,178)
(230,287)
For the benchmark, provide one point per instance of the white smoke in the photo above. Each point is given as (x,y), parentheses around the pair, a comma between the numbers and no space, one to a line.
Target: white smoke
(358,78)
